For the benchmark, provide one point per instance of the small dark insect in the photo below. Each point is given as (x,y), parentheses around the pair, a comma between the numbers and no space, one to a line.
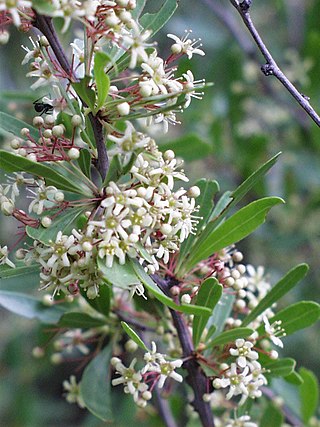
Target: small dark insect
(42,107)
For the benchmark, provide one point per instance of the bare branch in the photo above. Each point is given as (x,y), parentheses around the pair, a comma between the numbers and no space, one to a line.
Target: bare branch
(271,68)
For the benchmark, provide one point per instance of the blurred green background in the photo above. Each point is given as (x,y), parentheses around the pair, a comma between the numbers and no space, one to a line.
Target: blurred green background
(243,120)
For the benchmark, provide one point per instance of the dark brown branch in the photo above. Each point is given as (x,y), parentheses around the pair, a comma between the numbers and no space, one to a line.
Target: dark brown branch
(45,25)
(196,377)
(271,67)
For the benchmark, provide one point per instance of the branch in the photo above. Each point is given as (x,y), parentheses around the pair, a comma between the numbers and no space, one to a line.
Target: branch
(196,377)
(271,67)
(45,25)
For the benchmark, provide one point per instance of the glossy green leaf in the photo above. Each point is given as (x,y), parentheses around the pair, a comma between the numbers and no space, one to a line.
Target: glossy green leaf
(208,296)
(84,162)
(8,272)
(294,378)
(86,94)
(234,229)
(101,59)
(221,312)
(189,147)
(80,320)
(309,394)
(12,125)
(134,336)
(64,222)
(30,307)
(298,316)
(155,21)
(114,171)
(280,367)
(272,417)
(155,290)
(11,163)
(230,199)
(278,291)
(122,276)
(230,336)
(100,303)
(208,189)
(136,12)
(43,6)
(95,385)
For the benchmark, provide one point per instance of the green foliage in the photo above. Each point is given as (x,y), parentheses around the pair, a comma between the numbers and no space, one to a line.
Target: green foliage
(96,383)
(309,394)
(85,92)
(230,336)
(11,163)
(279,290)
(234,229)
(156,21)
(80,320)
(190,147)
(280,368)
(133,335)
(208,296)
(272,416)
(12,125)
(101,59)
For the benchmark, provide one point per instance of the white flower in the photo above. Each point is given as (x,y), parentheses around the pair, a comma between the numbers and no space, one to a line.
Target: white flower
(4,257)
(236,381)
(73,394)
(244,352)
(186,45)
(273,331)
(243,421)
(136,44)
(13,7)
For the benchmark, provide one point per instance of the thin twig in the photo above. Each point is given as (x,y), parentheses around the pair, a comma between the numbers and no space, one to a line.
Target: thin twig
(232,25)
(45,25)
(271,68)
(196,377)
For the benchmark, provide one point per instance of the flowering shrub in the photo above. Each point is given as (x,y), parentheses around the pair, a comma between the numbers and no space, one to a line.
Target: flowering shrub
(127,260)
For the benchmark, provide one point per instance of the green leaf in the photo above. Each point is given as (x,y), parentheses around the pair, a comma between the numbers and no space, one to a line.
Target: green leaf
(230,199)
(190,147)
(294,378)
(156,291)
(272,416)
(122,276)
(8,272)
(221,312)
(208,296)
(43,6)
(12,125)
(208,189)
(230,336)
(84,162)
(101,59)
(95,385)
(309,394)
(246,186)
(298,316)
(234,229)
(136,12)
(11,163)
(101,303)
(278,291)
(134,336)
(155,21)
(80,320)
(280,368)
(64,222)
(30,307)
(114,171)
(85,93)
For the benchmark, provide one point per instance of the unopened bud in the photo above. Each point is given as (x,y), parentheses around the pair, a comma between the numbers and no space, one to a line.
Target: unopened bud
(46,221)
(76,120)
(74,153)
(4,37)
(123,109)
(58,131)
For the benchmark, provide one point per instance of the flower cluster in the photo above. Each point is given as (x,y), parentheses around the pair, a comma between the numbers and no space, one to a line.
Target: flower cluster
(140,383)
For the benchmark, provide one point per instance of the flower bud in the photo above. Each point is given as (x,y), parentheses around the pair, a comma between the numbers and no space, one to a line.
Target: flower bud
(7,207)
(37,352)
(166,229)
(38,121)
(47,133)
(176,49)
(49,120)
(131,346)
(194,192)
(32,157)
(24,132)
(59,196)
(74,153)
(4,37)
(44,41)
(76,120)
(15,143)
(87,246)
(169,155)
(186,299)
(123,109)
(46,222)
(58,131)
